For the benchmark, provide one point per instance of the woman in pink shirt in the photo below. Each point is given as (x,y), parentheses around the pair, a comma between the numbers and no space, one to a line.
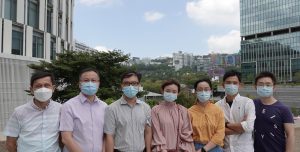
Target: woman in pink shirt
(171,126)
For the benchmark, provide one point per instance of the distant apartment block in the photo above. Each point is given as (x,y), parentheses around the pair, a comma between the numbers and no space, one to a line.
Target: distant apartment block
(181,59)
(270,38)
(30,30)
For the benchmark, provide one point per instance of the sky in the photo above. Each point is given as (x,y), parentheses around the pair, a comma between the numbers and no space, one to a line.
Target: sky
(154,28)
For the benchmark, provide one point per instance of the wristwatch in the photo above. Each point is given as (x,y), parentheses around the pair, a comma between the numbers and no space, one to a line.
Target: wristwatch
(203,149)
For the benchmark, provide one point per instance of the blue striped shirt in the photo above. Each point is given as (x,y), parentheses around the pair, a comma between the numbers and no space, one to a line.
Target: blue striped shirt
(37,129)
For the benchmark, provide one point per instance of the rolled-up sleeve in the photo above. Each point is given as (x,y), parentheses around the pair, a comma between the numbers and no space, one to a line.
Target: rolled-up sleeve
(248,125)
(66,118)
(109,121)
(219,135)
(13,127)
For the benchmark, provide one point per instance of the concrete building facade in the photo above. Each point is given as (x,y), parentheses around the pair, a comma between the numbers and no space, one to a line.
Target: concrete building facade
(30,30)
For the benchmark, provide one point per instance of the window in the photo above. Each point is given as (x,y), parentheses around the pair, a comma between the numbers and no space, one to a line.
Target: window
(38,45)
(33,13)
(17,41)
(53,48)
(11,9)
(49,16)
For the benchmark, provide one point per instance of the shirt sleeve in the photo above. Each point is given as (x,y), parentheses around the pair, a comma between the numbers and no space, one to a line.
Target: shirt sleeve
(109,121)
(66,118)
(248,125)
(13,126)
(148,115)
(287,115)
(219,135)
(159,140)
(186,139)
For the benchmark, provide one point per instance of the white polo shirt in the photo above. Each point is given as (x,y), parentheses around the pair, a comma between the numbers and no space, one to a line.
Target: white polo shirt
(241,107)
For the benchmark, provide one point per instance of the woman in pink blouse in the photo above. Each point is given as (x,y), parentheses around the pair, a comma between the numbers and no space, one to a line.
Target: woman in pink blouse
(171,126)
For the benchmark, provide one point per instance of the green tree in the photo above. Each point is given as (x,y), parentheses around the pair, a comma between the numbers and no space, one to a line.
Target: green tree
(67,66)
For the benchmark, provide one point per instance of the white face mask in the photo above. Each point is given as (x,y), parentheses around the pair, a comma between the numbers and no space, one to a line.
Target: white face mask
(43,94)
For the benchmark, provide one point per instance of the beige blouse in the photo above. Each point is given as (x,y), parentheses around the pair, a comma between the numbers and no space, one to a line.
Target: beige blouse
(171,122)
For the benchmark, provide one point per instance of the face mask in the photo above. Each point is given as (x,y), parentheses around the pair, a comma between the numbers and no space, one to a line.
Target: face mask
(170,97)
(264,91)
(130,91)
(89,88)
(203,96)
(43,94)
(231,89)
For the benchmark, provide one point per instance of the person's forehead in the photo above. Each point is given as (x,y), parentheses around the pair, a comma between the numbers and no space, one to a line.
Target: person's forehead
(89,74)
(46,79)
(202,84)
(171,86)
(232,78)
(131,78)
(265,79)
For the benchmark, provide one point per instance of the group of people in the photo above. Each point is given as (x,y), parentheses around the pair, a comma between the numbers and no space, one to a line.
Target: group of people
(87,124)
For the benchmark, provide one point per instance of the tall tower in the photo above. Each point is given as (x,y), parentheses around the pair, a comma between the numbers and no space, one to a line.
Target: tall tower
(270,38)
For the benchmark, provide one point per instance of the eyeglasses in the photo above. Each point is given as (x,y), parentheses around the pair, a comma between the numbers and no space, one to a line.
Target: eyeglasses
(88,80)
(134,83)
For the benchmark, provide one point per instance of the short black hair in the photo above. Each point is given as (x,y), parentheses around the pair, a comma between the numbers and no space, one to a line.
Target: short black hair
(203,80)
(88,70)
(39,75)
(266,74)
(231,73)
(131,73)
(170,82)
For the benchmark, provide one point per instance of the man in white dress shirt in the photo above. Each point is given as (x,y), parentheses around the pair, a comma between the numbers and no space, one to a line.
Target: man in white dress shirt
(239,115)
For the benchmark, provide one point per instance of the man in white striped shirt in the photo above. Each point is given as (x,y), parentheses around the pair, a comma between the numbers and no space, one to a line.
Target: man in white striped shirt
(34,126)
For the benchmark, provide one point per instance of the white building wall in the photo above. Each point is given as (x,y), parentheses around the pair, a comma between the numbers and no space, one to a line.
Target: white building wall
(0,34)
(47,46)
(7,35)
(29,32)
(21,11)
(42,17)
(55,18)
(63,27)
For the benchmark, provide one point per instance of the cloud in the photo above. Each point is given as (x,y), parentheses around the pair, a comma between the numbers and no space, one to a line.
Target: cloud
(102,48)
(228,43)
(214,12)
(96,2)
(153,16)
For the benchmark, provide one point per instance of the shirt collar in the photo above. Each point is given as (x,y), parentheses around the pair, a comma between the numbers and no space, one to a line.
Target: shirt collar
(38,108)
(236,98)
(84,99)
(123,101)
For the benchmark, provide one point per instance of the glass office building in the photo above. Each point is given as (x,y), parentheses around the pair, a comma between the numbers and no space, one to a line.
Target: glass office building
(270,38)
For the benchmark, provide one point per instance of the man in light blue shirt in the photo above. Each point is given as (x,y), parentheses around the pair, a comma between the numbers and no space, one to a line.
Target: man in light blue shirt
(34,126)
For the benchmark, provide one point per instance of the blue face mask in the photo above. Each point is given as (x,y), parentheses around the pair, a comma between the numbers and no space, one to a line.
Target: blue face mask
(203,96)
(170,97)
(231,89)
(130,91)
(265,91)
(89,88)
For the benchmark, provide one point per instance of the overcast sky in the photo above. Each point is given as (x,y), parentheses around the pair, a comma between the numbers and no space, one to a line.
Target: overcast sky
(153,28)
